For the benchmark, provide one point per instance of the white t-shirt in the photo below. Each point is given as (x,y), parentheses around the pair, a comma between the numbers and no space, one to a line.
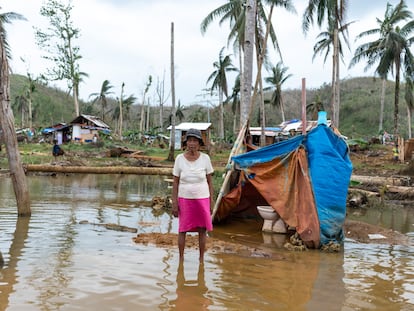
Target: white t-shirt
(193,181)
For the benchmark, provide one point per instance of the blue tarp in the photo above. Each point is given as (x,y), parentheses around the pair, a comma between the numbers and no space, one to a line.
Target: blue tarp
(330,170)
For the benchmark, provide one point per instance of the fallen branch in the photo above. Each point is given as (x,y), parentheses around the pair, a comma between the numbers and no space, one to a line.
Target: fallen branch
(377,180)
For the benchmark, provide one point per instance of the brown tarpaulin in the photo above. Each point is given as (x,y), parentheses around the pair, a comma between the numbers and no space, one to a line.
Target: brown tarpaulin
(283,183)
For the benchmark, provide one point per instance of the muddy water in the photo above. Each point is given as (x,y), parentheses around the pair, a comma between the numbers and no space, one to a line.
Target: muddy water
(54,263)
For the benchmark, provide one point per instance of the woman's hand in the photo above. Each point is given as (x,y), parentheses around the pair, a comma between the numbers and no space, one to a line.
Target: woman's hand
(174,210)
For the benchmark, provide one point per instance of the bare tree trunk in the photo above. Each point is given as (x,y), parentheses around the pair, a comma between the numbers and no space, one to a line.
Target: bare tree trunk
(381,120)
(221,114)
(238,112)
(259,77)
(335,79)
(147,125)
(76,97)
(141,120)
(337,101)
(171,156)
(161,94)
(120,111)
(262,116)
(282,109)
(409,121)
(396,97)
(30,110)
(248,62)
(17,173)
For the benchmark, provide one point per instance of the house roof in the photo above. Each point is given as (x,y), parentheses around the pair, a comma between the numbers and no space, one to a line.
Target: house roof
(92,119)
(56,127)
(269,131)
(191,125)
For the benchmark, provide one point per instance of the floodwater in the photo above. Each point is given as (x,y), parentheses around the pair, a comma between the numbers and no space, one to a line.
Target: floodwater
(52,262)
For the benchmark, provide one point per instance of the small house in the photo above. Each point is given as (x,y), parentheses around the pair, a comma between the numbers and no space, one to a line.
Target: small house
(271,135)
(181,131)
(84,127)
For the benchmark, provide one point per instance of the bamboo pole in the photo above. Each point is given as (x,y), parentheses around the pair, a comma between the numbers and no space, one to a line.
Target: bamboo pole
(229,166)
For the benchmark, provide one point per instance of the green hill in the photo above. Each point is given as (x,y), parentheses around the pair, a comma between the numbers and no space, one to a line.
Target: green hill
(359,110)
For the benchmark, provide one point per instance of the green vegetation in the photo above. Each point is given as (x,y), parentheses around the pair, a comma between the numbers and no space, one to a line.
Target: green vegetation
(359,117)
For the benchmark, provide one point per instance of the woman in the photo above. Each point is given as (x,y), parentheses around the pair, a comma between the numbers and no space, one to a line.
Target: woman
(192,192)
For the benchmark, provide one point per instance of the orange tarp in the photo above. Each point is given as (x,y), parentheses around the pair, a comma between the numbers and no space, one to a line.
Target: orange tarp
(283,183)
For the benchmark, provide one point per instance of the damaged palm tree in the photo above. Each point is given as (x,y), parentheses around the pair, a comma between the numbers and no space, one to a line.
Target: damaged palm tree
(17,173)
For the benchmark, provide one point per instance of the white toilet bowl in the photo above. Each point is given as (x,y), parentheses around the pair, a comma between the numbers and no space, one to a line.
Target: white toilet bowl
(272,221)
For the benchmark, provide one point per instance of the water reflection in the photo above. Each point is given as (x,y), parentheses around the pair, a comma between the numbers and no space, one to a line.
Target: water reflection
(52,262)
(191,293)
(9,272)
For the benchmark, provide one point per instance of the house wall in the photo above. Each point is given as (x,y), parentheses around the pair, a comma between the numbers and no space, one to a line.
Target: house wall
(76,133)
(83,135)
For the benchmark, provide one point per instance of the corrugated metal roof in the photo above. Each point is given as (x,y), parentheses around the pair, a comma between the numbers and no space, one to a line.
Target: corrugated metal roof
(191,125)
(95,120)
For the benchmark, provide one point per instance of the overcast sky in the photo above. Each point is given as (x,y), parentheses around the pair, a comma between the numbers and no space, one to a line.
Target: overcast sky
(128,40)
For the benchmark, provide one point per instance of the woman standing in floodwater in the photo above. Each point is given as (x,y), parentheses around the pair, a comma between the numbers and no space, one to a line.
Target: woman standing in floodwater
(192,192)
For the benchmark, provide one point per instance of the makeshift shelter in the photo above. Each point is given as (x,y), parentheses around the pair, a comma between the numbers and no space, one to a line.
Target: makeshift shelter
(60,131)
(305,179)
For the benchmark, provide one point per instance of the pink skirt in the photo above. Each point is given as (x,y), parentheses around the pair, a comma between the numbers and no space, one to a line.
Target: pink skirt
(194,214)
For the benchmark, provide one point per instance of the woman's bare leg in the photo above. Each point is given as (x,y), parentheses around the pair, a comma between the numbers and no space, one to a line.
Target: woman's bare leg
(181,244)
(202,236)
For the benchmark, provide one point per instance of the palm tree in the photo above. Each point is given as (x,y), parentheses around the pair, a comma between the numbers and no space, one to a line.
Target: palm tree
(102,96)
(234,98)
(326,43)
(334,12)
(21,105)
(276,79)
(219,82)
(29,90)
(391,49)
(409,100)
(19,180)
(235,12)
(126,105)
(179,113)
(313,108)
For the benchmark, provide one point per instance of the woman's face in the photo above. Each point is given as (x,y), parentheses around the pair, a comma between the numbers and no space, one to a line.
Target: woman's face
(192,143)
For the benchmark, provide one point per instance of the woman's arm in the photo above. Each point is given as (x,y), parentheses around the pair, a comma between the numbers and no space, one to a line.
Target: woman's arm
(211,190)
(176,181)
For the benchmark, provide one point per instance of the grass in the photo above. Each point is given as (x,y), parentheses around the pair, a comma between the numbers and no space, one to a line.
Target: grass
(95,155)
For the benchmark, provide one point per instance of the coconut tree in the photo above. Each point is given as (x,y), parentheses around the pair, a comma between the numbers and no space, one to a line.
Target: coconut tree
(391,50)
(236,14)
(276,79)
(326,44)
(333,12)
(20,104)
(409,100)
(234,99)
(19,180)
(314,107)
(179,113)
(218,79)
(102,95)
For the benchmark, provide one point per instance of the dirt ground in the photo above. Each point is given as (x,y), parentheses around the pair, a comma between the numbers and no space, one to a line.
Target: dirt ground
(358,231)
